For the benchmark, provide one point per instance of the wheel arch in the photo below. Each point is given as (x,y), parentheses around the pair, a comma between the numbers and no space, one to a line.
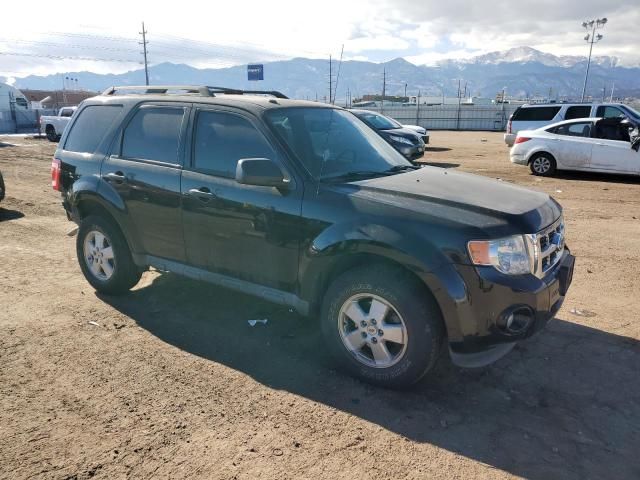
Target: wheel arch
(89,203)
(541,151)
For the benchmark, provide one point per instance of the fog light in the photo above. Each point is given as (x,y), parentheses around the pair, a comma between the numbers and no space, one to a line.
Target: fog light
(516,320)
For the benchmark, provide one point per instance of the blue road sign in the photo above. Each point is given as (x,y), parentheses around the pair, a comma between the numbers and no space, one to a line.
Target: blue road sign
(255,72)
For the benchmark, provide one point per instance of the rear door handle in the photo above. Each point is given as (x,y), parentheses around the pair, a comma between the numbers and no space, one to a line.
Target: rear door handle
(202,193)
(117,177)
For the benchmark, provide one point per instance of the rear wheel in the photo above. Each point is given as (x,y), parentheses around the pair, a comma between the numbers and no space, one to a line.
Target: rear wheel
(104,256)
(542,164)
(380,325)
(51,134)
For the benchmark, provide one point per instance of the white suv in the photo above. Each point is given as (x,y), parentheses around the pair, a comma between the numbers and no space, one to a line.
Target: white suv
(531,117)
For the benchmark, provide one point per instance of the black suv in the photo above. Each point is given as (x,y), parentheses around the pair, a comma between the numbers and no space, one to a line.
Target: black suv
(304,205)
(405,140)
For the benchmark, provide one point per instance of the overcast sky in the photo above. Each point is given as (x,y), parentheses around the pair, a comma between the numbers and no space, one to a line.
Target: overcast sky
(76,34)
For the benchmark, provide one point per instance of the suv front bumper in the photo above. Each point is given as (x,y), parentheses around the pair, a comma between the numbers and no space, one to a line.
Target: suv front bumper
(494,297)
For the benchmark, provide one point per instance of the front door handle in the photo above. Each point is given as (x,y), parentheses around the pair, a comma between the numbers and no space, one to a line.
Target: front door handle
(117,177)
(202,193)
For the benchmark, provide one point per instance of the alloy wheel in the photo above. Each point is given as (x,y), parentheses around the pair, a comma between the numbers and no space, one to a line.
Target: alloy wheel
(372,330)
(98,255)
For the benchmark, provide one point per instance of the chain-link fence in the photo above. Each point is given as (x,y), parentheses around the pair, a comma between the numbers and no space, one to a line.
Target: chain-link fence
(17,120)
(450,117)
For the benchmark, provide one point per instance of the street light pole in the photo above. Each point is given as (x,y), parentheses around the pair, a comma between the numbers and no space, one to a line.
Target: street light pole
(591,38)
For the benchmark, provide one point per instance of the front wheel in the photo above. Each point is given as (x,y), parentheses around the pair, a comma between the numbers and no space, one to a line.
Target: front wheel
(543,164)
(104,256)
(382,326)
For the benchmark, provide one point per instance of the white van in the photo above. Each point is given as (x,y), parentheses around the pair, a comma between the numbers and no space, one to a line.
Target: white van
(531,117)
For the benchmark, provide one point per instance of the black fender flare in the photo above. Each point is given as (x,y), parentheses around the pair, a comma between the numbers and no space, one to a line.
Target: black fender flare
(92,188)
(340,243)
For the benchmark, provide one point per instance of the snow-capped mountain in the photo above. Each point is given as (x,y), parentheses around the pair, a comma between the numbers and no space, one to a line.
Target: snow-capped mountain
(531,55)
(524,71)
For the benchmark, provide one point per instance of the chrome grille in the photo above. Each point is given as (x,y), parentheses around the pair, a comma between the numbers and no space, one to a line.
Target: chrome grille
(547,246)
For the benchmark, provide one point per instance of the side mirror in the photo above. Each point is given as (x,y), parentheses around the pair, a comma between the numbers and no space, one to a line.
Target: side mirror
(260,171)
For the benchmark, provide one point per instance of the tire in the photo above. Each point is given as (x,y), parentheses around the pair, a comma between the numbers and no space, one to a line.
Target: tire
(1,187)
(104,256)
(51,134)
(412,318)
(542,164)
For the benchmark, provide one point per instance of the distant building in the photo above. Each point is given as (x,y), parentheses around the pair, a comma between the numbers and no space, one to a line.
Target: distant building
(12,96)
(41,99)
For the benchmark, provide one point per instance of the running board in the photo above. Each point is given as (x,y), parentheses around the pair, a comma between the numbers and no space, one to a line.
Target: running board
(270,294)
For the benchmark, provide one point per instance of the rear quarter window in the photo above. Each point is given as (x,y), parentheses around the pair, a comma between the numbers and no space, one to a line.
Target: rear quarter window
(88,130)
(535,114)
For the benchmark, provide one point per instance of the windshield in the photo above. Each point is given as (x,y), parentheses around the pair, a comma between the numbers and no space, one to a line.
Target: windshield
(333,143)
(632,112)
(378,121)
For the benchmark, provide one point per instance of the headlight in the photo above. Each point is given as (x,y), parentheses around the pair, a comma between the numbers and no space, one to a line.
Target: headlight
(395,138)
(507,255)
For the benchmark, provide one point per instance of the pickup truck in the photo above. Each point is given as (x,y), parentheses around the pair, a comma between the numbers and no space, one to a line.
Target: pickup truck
(53,125)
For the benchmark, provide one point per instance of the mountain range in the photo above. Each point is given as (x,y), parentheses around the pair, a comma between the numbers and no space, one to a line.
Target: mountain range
(523,71)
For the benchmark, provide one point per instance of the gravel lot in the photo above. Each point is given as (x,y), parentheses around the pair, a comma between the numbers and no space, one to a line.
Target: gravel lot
(171,382)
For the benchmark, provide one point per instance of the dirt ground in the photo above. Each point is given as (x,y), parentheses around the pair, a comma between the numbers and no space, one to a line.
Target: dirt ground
(171,382)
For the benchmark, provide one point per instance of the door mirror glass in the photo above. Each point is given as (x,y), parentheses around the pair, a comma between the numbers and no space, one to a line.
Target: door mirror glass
(260,171)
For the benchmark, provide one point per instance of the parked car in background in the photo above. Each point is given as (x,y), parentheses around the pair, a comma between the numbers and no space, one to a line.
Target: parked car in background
(589,144)
(53,125)
(531,117)
(405,140)
(1,187)
(423,132)
(304,205)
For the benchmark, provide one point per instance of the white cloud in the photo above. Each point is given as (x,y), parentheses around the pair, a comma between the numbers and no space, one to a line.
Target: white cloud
(227,33)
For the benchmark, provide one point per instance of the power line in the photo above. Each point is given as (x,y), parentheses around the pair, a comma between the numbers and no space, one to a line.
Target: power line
(65,57)
(66,45)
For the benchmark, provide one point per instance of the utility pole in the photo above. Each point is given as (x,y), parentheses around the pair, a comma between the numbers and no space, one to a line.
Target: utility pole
(418,108)
(330,79)
(612,88)
(405,91)
(591,38)
(384,89)
(144,52)
(458,119)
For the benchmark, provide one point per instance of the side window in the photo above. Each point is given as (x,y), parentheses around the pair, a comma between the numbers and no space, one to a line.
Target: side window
(578,111)
(582,129)
(153,134)
(221,139)
(90,127)
(535,114)
(609,112)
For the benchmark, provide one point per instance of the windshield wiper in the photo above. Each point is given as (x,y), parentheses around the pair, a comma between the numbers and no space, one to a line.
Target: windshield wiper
(402,168)
(357,175)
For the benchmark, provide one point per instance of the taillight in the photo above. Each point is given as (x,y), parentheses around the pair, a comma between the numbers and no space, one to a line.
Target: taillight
(56,175)
(509,126)
(522,139)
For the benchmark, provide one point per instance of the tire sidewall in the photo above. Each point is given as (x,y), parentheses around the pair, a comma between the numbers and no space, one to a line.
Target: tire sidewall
(424,340)
(123,276)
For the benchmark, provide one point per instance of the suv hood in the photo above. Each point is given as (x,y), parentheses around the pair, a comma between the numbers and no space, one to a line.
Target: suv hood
(495,207)
(401,132)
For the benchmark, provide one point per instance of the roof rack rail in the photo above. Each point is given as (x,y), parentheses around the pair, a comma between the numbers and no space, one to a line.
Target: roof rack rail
(202,90)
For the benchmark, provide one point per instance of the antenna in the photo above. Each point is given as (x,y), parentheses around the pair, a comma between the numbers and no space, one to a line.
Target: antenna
(330,79)
(335,93)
